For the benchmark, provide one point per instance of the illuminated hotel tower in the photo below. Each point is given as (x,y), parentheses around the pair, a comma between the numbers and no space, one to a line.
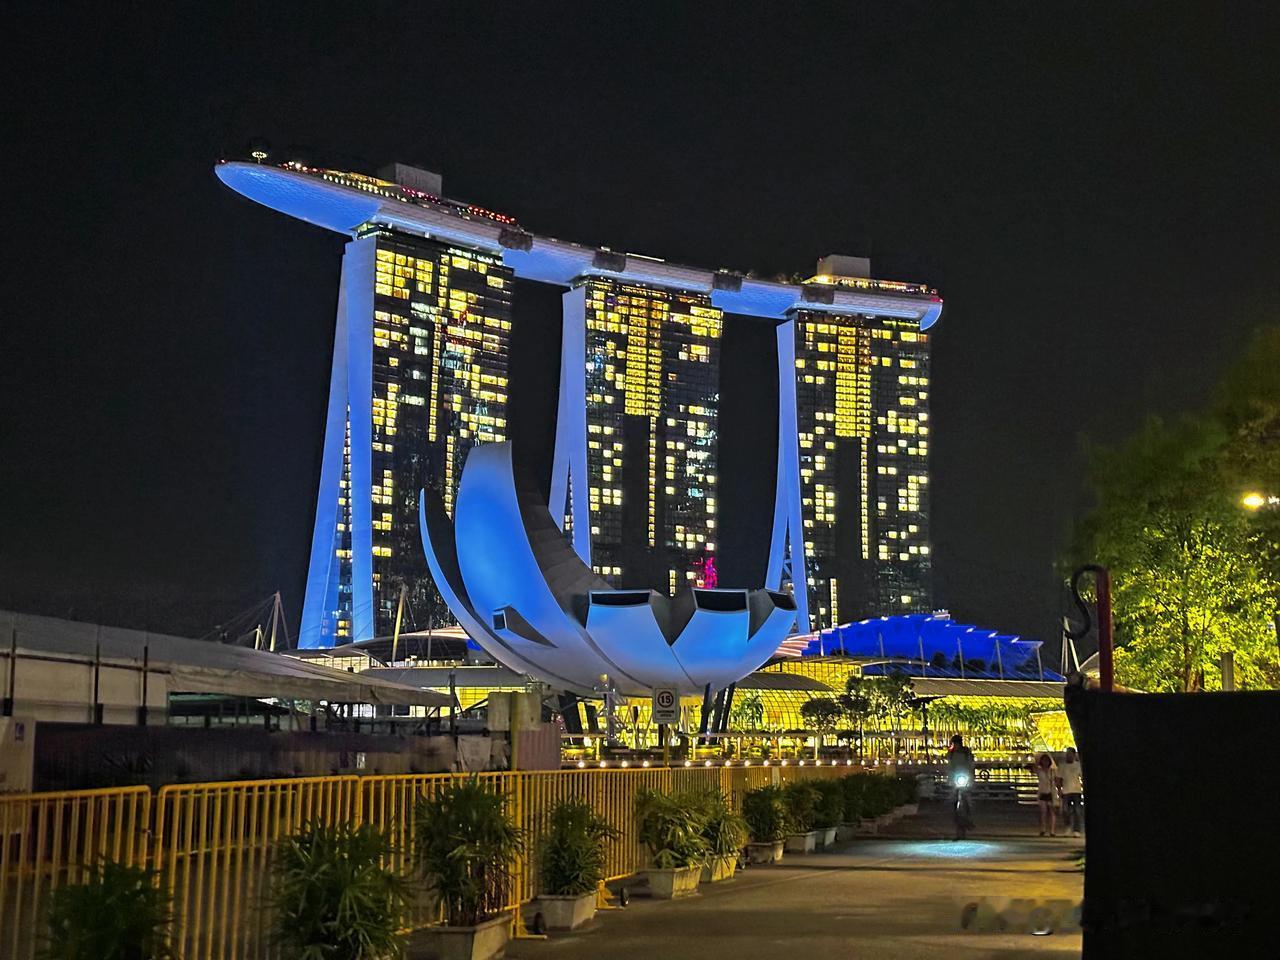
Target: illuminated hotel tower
(635,463)
(861,407)
(419,377)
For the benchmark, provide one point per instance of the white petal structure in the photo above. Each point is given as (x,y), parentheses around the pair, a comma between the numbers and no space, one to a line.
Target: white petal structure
(518,588)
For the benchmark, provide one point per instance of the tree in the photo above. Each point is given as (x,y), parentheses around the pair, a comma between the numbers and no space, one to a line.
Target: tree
(1194,574)
(748,713)
(821,713)
(858,703)
(884,698)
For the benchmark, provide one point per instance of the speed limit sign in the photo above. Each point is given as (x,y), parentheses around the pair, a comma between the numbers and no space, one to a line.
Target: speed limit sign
(666,705)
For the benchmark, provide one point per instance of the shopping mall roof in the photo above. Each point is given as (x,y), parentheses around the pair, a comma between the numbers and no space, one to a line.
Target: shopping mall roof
(201,666)
(953,687)
(768,680)
(927,644)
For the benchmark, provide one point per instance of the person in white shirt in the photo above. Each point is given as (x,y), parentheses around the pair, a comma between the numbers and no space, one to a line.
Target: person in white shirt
(1046,784)
(1071,788)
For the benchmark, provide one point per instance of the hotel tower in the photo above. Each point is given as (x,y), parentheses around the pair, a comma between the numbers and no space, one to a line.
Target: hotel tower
(421,368)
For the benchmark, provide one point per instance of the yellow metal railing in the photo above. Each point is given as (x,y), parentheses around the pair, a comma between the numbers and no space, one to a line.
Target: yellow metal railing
(213,844)
(50,839)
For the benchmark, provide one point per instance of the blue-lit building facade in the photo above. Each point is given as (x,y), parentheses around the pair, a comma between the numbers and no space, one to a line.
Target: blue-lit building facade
(427,307)
(636,458)
(862,418)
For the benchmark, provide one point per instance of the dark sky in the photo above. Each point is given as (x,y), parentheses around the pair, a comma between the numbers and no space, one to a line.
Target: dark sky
(1094,190)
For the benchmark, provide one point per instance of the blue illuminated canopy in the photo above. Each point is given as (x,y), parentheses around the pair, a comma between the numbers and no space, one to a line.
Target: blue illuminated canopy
(933,645)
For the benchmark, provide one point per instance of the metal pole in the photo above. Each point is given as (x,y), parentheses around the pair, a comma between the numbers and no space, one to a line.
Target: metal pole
(1106,663)
(275,620)
(395,635)
(453,708)
(146,670)
(12,686)
(1228,671)
(706,713)
(97,675)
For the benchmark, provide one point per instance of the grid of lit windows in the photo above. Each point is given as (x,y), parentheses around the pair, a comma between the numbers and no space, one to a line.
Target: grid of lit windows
(652,386)
(441,335)
(862,391)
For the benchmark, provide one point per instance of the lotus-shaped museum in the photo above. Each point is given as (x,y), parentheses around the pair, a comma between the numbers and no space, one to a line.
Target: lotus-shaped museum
(518,588)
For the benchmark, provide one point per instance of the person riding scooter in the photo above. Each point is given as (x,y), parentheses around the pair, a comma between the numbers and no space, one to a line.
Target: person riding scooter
(960,773)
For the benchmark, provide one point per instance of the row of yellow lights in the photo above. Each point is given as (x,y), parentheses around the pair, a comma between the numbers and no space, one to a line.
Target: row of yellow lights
(625,764)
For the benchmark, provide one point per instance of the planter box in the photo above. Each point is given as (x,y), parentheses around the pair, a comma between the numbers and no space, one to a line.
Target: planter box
(674,883)
(846,831)
(868,827)
(802,842)
(567,913)
(765,852)
(829,836)
(485,941)
(908,810)
(719,868)
(886,819)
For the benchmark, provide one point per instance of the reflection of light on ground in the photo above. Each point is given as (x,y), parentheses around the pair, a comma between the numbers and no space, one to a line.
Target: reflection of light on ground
(943,849)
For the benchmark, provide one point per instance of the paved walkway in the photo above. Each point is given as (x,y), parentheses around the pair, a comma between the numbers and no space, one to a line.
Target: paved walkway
(896,896)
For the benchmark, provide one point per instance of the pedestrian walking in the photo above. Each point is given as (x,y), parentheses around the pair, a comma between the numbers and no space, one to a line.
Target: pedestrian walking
(1046,790)
(1071,788)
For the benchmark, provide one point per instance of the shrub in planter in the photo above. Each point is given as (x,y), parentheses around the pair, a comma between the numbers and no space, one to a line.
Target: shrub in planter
(830,809)
(877,795)
(670,826)
(117,913)
(334,896)
(855,804)
(465,844)
(802,799)
(767,823)
(829,812)
(725,833)
(571,864)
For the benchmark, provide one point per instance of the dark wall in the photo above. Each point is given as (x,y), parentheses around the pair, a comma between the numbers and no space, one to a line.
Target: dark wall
(82,756)
(748,422)
(748,448)
(535,377)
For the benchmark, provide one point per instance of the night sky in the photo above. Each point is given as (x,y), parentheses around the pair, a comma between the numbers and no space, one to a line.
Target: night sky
(1094,191)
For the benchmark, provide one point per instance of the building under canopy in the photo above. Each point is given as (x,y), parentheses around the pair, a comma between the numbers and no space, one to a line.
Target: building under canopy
(65,670)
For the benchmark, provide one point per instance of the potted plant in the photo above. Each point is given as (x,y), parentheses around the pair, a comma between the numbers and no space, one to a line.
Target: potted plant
(670,826)
(335,897)
(117,913)
(767,823)
(571,864)
(851,786)
(829,812)
(465,844)
(908,805)
(725,833)
(801,799)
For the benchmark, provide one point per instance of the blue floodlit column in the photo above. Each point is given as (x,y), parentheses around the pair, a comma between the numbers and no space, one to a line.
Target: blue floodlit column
(350,405)
(788,528)
(569,465)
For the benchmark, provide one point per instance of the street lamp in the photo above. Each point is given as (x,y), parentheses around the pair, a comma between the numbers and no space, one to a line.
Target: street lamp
(1253,500)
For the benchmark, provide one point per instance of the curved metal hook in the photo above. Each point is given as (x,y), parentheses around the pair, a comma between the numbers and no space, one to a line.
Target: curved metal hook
(1083,607)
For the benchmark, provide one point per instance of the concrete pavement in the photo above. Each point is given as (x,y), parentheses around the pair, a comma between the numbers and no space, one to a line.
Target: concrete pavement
(898,896)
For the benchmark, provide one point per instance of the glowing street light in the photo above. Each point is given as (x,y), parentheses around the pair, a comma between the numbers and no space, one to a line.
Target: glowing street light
(1253,500)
